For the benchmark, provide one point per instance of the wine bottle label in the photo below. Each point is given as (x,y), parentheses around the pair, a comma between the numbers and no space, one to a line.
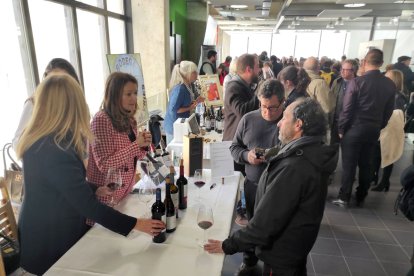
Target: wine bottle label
(185,189)
(171,222)
(164,219)
(219,125)
(174,198)
(164,171)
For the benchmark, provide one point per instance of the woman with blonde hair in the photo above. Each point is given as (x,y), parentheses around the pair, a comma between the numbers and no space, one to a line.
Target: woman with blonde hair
(390,147)
(181,101)
(118,144)
(58,199)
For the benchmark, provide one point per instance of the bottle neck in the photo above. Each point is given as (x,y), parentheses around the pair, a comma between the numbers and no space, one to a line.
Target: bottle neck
(158,195)
(181,170)
(167,190)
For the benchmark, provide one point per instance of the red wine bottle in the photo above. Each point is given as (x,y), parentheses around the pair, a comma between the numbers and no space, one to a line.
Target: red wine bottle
(158,212)
(174,190)
(207,121)
(170,209)
(182,188)
(219,121)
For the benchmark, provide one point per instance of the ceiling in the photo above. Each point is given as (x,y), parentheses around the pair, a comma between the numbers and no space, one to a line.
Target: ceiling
(274,15)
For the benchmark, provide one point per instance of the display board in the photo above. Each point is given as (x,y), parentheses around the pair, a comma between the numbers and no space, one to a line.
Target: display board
(131,64)
(211,90)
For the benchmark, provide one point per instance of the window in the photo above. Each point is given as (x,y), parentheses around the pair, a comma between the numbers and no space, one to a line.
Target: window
(332,44)
(259,43)
(307,44)
(283,44)
(115,6)
(117,36)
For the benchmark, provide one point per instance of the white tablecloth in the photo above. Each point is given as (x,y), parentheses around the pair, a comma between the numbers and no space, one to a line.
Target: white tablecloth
(102,252)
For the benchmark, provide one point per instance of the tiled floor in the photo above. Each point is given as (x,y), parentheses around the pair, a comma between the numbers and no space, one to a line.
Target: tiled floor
(359,241)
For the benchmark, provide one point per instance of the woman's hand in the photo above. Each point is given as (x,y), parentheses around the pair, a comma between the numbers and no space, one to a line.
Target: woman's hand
(150,226)
(144,138)
(214,246)
(103,191)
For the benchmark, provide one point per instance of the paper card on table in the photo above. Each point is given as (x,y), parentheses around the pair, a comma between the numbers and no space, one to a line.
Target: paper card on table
(221,161)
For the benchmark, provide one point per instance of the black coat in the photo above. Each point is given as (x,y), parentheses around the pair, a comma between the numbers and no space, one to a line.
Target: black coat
(290,201)
(57,202)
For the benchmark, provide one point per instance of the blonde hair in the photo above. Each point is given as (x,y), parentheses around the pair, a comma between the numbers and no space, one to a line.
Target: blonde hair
(182,72)
(397,77)
(60,110)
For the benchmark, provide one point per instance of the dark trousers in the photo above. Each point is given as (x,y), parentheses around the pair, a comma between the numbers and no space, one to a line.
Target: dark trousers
(249,257)
(357,147)
(273,271)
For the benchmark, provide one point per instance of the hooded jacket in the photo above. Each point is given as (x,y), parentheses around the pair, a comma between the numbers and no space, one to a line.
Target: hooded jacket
(290,201)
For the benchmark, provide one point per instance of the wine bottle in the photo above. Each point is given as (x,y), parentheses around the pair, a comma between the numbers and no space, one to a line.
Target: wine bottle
(182,188)
(166,156)
(174,190)
(207,121)
(219,121)
(170,209)
(212,118)
(158,212)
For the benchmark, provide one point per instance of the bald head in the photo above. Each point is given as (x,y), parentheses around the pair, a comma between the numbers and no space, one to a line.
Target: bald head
(311,64)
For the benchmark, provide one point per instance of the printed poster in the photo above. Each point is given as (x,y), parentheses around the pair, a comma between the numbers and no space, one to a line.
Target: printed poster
(211,90)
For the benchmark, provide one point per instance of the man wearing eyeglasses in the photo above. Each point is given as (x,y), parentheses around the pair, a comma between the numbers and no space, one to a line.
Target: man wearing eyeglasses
(257,129)
(348,72)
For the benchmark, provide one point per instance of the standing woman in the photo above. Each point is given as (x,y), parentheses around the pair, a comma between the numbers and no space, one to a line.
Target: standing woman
(295,81)
(118,144)
(181,101)
(58,200)
(56,65)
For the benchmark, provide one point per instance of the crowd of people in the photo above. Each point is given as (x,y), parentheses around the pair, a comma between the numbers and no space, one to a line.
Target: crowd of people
(301,112)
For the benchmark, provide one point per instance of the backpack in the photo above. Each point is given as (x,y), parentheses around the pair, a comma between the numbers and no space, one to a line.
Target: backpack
(405,199)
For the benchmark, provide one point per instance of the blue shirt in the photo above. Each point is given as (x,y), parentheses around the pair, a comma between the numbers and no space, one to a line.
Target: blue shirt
(180,97)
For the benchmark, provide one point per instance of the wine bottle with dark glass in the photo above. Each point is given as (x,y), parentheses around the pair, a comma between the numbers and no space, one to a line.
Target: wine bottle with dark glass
(174,190)
(207,121)
(170,209)
(219,121)
(158,212)
(182,188)
(212,118)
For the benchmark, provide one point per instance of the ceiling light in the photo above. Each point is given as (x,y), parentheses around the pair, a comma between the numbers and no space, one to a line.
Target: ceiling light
(339,22)
(238,6)
(266,4)
(330,25)
(354,5)
(259,19)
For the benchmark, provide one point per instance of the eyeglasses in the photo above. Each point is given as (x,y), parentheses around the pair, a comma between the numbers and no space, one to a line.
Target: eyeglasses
(271,108)
(343,69)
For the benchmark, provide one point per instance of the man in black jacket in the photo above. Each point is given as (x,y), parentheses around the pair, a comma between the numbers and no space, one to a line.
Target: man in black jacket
(403,64)
(290,196)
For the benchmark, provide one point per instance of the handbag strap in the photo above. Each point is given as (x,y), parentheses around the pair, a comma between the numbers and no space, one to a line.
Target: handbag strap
(6,149)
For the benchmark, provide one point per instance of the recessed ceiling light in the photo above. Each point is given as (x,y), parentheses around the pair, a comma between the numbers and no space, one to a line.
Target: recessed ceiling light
(260,19)
(239,6)
(354,5)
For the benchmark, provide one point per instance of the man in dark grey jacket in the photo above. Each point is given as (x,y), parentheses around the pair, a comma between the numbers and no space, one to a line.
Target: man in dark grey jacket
(290,196)
(257,129)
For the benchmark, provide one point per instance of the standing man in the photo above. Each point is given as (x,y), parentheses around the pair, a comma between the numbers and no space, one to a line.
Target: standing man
(318,89)
(290,195)
(367,107)
(257,129)
(403,64)
(240,97)
(209,66)
(348,72)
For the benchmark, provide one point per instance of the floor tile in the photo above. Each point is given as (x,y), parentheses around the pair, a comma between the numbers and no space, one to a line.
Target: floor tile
(396,268)
(329,265)
(325,231)
(404,237)
(347,233)
(356,249)
(398,224)
(390,253)
(326,246)
(340,219)
(364,267)
(368,221)
(409,250)
(378,236)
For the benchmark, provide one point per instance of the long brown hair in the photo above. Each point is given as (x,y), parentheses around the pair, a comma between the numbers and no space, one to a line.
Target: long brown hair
(112,104)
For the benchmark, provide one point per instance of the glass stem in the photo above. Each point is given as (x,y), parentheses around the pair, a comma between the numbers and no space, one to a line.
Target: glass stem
(205,237)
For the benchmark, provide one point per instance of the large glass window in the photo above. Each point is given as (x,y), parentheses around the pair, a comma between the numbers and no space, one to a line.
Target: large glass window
(96,3)
(117,36)
(259,43)
(93,54)
(332,44)
(115,6)
(307,44)
(58,40)
(238,45)
(283,44)
(15,80)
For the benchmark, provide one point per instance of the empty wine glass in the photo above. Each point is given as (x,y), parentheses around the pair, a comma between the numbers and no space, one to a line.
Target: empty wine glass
(205,221)
(146,194)
(199,181)
(113,181)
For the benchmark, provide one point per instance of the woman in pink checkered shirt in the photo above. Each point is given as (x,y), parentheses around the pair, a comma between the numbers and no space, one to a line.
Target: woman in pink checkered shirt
(117,142)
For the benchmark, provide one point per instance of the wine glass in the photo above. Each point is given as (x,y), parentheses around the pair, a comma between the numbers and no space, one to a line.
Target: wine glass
(205,220)
(113,181)
(199,181)
(146,193)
